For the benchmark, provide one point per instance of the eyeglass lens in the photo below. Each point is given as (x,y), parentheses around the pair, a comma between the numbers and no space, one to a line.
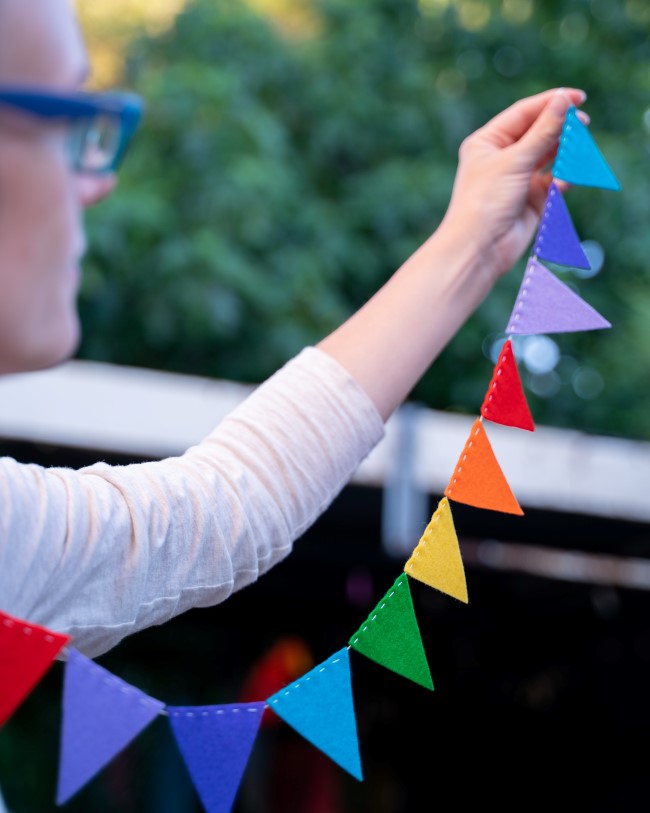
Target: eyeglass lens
(93,144)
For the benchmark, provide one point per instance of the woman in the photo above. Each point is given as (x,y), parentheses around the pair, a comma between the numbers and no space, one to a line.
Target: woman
(102,552)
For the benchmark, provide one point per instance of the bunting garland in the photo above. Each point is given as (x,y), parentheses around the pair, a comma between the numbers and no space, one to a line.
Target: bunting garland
(102,714)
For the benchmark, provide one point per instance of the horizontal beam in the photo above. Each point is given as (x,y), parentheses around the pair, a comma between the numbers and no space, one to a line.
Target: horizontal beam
(154,414)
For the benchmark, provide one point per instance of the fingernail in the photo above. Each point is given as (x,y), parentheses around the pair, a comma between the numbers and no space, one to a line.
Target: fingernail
(559,102)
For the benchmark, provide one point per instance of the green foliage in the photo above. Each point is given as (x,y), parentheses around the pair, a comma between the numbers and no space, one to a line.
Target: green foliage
(276,183)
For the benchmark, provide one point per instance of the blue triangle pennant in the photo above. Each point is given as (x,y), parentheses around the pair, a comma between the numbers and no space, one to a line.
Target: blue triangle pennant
(578,160)
(319,706)
(101,716)
(557,240)
(216,742)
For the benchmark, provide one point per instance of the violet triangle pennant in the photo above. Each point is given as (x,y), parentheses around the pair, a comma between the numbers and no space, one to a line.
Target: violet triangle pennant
(546,305)
(101,715)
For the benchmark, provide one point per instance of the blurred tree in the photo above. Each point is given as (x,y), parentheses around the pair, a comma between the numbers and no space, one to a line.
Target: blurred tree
(109,27)
(285,169)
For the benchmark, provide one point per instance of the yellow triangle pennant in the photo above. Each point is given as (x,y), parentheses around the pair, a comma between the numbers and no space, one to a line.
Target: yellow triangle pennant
(436,560)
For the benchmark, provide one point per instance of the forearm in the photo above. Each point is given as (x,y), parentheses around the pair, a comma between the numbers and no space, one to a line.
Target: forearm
(393,339)
(498,196)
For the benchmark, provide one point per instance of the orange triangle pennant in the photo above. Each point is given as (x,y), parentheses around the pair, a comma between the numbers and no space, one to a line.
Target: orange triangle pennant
(504,401)
(478,479)
(436,560)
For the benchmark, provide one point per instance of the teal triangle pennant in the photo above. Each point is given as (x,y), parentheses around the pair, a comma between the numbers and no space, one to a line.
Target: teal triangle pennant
(319,706)
(578,160)
(390,636)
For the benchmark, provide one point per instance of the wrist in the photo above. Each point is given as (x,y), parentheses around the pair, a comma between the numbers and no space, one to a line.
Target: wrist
(468,266)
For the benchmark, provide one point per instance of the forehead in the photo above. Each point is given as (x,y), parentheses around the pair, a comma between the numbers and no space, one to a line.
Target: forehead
(40,43)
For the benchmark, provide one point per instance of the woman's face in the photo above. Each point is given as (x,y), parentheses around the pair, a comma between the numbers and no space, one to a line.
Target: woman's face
(41,200)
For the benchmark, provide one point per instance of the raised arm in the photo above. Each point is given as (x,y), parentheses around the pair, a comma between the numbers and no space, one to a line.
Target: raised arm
(497,199)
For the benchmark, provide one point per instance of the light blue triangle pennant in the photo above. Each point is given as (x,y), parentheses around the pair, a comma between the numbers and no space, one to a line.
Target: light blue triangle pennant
(578,160)
(319,706)
(216,742)
(101,716)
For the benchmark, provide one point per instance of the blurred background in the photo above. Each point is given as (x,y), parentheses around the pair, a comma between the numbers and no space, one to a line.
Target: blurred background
(293,154)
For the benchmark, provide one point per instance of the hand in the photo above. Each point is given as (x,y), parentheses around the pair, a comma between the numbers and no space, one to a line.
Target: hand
(502,178)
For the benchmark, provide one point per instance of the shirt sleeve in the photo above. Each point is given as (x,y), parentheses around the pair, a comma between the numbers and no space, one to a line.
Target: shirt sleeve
(101,552)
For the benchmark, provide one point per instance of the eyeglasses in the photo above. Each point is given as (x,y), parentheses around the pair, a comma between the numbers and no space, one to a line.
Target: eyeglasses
(100,125)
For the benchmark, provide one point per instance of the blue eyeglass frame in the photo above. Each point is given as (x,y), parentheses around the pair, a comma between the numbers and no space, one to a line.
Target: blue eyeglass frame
(78,106)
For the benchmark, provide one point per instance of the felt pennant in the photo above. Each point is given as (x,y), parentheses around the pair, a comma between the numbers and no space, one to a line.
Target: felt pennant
(320,707)
(505,402)
(101,716)
(546,305)
(578,160)
(436,560)
(27,652)
(478,479)
(557,240)
(390,635)
(216,742)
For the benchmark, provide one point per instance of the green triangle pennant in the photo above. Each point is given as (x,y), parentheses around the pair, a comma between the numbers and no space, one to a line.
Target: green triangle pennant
(391,637)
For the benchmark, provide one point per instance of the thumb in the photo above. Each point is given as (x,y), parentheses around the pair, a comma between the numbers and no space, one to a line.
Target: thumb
(543,135)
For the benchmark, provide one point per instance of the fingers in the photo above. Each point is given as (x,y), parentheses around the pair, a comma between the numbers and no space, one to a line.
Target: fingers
(541,138)
(547,160)
(509,126)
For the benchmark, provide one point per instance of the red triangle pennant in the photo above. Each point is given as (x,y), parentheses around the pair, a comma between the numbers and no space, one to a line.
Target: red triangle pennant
(504,401)
(478,479)
(27,653)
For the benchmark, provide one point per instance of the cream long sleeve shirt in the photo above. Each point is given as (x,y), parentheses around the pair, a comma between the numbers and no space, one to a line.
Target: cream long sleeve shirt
(101,552)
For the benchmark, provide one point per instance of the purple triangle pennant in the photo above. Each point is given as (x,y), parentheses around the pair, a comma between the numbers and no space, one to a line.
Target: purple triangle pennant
(101,716)
(557,240)
(547,305)
(319,706)
(216,742)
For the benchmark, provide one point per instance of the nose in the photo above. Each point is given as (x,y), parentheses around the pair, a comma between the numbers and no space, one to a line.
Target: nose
(92,189)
